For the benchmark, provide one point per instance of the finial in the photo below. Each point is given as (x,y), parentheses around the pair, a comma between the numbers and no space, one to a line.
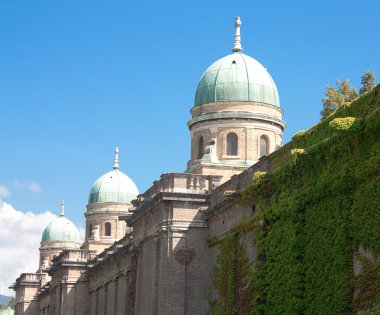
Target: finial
(62,208)
(237,41)
(116,161)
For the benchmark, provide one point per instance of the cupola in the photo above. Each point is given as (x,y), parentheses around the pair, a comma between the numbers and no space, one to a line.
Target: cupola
(236,117)
(110,197)
(113,187)
(61,229)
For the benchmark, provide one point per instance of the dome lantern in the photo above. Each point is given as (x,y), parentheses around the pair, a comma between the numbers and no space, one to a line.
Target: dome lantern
(237,42)
(116,160)
(62,214)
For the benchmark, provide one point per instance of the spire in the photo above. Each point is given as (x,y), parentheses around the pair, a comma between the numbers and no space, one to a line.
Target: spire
(237,41)
(116,161)
(62,208)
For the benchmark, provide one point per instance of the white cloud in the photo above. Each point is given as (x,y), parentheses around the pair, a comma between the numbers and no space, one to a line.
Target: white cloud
(34,187)
(20,236)
(4,192)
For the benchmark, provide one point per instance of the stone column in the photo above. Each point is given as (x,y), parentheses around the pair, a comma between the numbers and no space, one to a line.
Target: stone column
(121,294)
(127,282)
(111,297)
(105,298)
(116,293)
(97,301)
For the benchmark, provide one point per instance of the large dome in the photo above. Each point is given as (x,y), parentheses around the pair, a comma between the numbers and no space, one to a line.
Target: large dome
(236,77)
(114,186)
(61,229)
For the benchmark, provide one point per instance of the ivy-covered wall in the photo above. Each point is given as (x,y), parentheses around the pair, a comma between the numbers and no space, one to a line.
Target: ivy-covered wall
(317,215)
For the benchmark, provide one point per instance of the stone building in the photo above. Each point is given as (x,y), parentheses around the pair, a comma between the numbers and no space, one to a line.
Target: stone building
(148,253)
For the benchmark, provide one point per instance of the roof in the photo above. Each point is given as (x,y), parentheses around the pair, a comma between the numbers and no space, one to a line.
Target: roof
(236,77)
(113,186)
(61,229)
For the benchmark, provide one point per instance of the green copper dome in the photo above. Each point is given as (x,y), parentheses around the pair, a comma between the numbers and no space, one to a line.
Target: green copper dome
(113,186)
(236,77)
(61,230)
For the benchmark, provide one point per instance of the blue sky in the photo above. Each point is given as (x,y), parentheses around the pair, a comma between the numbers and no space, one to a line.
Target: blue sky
(78,78)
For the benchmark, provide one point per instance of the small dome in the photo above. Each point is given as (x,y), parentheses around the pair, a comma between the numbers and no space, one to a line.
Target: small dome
(113,186)
(61,230)
(236,77)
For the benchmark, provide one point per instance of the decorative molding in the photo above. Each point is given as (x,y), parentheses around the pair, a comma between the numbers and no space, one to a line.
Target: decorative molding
(184,255)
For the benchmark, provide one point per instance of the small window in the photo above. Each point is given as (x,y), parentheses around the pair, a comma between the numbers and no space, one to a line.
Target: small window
(90,230)
(264,146)
(107,229)
(232,144)
(200,147)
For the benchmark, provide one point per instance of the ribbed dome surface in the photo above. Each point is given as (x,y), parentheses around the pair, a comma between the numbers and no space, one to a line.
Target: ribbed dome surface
(236,77)
(115,187)
(61,230)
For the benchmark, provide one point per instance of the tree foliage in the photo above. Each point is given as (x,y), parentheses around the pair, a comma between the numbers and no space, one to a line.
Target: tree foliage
(368,82)
(11,304)
(335,98)
(345,93)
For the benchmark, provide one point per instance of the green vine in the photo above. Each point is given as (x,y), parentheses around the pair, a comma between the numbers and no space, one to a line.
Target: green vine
(310,219)
(231,279)
(367,286)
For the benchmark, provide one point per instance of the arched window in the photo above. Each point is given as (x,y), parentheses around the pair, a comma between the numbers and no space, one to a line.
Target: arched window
(107,229)
(264,146)
(232,144)
(200,147)
(90,230)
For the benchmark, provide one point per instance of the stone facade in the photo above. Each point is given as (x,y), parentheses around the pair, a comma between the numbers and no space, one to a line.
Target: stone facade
(251,122)
(49,250)
(152,256)
(98,236)
(161,267)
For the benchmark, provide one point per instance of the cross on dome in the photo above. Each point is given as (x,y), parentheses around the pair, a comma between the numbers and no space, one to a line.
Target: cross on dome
(237,42)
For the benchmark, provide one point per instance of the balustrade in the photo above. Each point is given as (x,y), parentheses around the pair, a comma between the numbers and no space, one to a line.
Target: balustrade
(181,183)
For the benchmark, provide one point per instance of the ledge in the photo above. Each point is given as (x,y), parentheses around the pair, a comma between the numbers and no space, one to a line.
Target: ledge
(236,115)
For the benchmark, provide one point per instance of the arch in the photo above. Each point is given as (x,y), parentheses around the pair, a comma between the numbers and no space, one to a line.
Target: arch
(264,145)
(107,229)
(232,144)
(200,147)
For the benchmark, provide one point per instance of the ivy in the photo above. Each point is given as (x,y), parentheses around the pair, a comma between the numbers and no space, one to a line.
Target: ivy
(346,124)
(299,134)
(295,153)
(367,286)
(232,277)
(312,214)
